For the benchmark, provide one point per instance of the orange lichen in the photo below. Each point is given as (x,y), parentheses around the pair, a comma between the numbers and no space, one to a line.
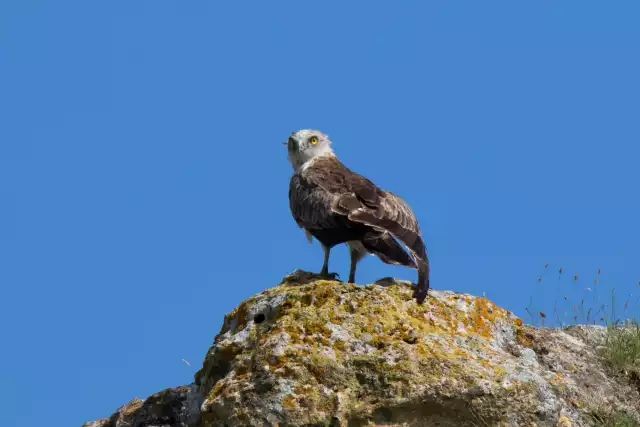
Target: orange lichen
(444,337)
(483,317)
(335,350)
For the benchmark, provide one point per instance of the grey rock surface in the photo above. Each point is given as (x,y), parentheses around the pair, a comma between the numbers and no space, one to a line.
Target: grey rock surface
(312,352)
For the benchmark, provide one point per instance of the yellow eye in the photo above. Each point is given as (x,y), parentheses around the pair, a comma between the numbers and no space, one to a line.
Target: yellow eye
(313,140)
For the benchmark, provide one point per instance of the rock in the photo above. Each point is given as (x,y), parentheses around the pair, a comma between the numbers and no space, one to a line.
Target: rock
(174,407)
(324,353)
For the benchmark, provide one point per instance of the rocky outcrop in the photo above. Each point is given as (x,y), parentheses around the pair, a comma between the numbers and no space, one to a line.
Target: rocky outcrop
(323,353)
(173,407)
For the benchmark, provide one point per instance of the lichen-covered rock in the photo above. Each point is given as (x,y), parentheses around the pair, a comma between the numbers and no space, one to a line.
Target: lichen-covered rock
(326,353)
(173,407)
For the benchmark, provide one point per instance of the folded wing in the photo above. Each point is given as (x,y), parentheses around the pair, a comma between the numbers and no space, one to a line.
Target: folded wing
(328,190)
(362,201)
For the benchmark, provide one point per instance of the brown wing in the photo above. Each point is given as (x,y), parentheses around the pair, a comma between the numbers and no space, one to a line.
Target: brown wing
(310,205)
(362,201)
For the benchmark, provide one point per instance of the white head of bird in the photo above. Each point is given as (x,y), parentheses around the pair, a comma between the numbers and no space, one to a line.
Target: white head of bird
(305,145)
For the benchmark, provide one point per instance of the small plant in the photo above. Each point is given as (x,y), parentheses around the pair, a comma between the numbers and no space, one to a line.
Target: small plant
(622,346)
(604,414)
(567,302)
(622,343)
(602,418)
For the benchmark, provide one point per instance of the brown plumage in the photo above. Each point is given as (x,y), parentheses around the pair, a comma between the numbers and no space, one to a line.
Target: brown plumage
(337,205)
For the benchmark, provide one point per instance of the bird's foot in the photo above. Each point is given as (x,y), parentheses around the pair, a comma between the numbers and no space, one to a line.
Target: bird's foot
(329,276)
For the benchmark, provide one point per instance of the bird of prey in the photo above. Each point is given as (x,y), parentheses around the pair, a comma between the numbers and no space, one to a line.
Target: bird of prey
(336,205)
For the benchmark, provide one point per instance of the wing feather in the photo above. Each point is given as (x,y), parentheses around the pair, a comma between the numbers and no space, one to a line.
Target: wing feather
(310,206)
(362,201)
(327,189)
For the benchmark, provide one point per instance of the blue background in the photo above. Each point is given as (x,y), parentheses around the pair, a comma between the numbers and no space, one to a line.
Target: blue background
(143,184)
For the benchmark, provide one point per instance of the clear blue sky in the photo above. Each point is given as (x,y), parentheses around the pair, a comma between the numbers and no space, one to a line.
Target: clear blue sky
(143,184)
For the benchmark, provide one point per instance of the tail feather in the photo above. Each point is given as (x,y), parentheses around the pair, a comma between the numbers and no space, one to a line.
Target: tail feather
(409,237)
(387,249)
(422,287)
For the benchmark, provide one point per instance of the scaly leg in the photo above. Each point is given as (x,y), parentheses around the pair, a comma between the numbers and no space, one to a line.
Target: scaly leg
(325,266)
(352,270)
(357,251)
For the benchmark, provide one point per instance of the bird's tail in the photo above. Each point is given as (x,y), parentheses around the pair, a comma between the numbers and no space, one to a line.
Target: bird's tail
(387,249)
(390,252)
(419,252)
(422,287)
(422,262)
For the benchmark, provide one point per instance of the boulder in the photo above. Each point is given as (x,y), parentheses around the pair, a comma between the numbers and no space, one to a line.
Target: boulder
(312,352)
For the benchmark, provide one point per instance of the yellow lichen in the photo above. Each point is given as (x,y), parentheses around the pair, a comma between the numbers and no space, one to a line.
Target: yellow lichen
(444,339)
(339,345)
(523,338)
(216,390)
(131,407)
(289,402)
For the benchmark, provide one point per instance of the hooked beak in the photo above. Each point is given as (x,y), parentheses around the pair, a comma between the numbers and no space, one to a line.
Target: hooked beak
(291,144)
